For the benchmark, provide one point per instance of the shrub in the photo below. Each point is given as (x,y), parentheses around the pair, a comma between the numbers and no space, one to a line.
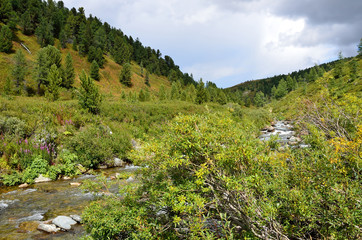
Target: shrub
(97,144)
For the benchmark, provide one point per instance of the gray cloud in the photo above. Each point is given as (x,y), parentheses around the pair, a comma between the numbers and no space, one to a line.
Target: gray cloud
(228,42)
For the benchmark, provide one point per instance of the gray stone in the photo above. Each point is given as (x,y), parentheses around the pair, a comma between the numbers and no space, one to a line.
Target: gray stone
(76,218)
(24,185)
(291,143)
(270,129)
(41,179)
(118,162)
(295,139)
(103,167)
(49,228)
(76,184)
(130,179)
(64,222)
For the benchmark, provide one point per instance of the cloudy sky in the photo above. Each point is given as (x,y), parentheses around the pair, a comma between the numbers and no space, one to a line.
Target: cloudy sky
(232,41)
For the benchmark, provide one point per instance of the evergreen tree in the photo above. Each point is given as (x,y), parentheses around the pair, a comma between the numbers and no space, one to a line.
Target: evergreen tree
(94,71)
(63,38)
(141,96)
(201,95)
(222,99)
(125,76)
(290,83)
(147,79)
(191,93)
(75,45)
(54,80)
(89,96)
(5,10)
(123,95)
(162,93)
(360,48)
(69,73)
(7,86)
(259,99)
(175,91)
(353,65)
(6,37)
(282,89)
(19,70)
(46,58)
(44,33)
(172,77)
(141,71)
(274,92)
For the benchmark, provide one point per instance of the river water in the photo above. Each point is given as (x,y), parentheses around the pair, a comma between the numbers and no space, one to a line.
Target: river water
(21,209)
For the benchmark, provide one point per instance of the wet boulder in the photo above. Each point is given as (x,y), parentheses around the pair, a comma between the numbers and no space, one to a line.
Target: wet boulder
(64,222)
(49,228)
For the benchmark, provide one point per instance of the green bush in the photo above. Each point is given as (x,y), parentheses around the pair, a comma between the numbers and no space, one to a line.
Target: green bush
(38,166)
(98,144)
(208,177)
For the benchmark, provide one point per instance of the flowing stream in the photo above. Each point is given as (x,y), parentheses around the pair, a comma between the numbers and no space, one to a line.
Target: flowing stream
(22,209)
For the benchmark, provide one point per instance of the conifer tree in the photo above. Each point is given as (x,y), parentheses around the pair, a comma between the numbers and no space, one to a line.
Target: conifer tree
(6,37)
(259,99)
(63,38)
(69,74)
(274,92)
(89,96)
(360,48)
(75,45)
(162,93)
(44,33)
(18,71)
(222,99)
(54,80)
(141,96)
(282,89)
(7,86)
(94,70)
(46,58)
(290,83)
(125,76)
(141,71)
(191,93)
(5,10)
(175,91)
(201,95)
(147,79)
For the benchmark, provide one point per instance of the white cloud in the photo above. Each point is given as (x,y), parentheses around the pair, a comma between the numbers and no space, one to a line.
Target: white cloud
(228,42)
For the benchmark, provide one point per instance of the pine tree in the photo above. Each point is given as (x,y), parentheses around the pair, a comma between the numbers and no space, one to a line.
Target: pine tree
(290,84)
(7,86)
(89,96)
(162,93)
(259,99)
(191,93)
(175,91)
(46,58)
(360,48)
(75,45)
(94,70)
(18,71)
(282,89)
(147,79)
(125,76)
(63,38)
(6,37)
(201,95)
(274,92)
(141,96)
(44,33)
(5,10)
(69,74)
(54,80)
(141,71)
(222,99)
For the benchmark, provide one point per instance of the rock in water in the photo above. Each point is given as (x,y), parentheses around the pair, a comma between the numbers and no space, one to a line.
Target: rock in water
(41,178)
(76,218)
(64,222)
(76,184)
(130,179)
(24,185)
(118,162)
(49,228)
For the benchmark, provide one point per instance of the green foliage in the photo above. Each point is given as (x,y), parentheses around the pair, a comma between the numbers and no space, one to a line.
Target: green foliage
(259,99)
(6,37)
(99,144)
(7,86)
(162,95)
(44,33)
(89,96)
(68,72)
(19,70)
(46,58)
(360,48)
(54,83)
(38,166)
(12,179)
(201,95)
(12,126)
(211,169)
(125,75)
(147,79)
(94,71)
